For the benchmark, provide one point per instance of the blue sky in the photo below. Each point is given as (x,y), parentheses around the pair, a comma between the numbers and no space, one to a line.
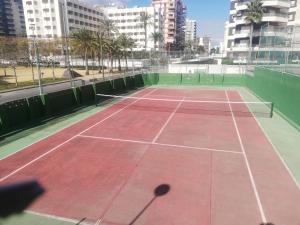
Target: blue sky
(210,14)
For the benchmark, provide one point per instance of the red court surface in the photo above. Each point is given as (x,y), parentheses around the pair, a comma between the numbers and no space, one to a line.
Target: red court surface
(219,165)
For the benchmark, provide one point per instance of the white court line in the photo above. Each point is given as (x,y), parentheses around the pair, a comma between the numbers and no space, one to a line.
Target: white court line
(275,149)
(56,147)
(160,144)
(168,120)
(98,222)
(59,130)
(261,210)
(56,217)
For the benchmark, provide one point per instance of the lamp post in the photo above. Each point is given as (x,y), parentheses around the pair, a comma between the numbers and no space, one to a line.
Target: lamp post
(36,51)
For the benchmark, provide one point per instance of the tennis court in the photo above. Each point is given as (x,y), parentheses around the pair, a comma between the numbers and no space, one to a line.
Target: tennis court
(204,145)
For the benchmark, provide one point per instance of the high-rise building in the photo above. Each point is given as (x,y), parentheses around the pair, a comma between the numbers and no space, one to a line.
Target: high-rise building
(238,36)
(174,13)
(128,21)
(190,30)
(12,21)
(57,18)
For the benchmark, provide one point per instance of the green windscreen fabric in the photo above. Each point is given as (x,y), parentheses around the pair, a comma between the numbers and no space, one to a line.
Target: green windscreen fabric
(130,84)
(177,79)
(87,94)
(36,107)
(14,113)
(280,88)
(104,87)
(139,81)
(118,85)
(57,102)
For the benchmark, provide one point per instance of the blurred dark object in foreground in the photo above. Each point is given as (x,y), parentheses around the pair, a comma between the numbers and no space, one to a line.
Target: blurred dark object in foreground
(14,198)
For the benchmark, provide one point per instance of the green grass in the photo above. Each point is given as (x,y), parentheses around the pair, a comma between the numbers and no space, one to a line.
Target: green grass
(9,86)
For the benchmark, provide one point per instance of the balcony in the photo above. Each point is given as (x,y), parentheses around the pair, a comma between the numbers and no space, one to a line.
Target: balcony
(240,47)
(242,34)
(240,20)
(241,6)
(275,17)
(277,3)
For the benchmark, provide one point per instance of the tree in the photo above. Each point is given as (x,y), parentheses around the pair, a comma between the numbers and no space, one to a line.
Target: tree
(109,29)
(100,44)
(116,51)
(146,20)
(82,42)
(189,45)
(200,49)
(26,51)
(126,43)
(157,38)
(254,14)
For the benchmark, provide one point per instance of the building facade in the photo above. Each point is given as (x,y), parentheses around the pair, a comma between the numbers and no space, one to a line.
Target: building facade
(237,38)
(12,22)
(57,18)
(294,24)
(190,30)
(128,21)
(174,13)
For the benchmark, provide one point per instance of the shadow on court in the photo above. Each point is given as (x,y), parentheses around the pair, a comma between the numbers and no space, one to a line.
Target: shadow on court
(159,191)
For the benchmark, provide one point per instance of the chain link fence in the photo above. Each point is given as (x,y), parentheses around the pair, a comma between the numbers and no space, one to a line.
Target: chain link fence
(278,49)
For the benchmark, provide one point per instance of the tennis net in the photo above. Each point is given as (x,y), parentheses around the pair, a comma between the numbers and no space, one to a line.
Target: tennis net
(190,105)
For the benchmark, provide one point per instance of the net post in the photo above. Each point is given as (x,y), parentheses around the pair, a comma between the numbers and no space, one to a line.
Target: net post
(96,100)
(272,110)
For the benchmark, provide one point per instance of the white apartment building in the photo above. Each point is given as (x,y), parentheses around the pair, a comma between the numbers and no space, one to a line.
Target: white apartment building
(128,21)
(174,21)
(52,18)
(238,31)
(294,24)
(190,30)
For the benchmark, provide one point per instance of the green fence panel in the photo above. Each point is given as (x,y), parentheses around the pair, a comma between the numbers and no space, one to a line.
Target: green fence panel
(146,79)
(233,80)
(104,87)
(207,79)
(153,79)
(170,79)
(36,107)
(87,94)
(280,88)
(190,79)
(14,113)
(60,101)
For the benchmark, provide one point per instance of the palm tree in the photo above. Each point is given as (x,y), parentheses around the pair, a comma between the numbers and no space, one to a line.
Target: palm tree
(82,42)
(254,14)
(116,49)
(109,29)
(146,20)
(100,44)
(126,43)
(157,37)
